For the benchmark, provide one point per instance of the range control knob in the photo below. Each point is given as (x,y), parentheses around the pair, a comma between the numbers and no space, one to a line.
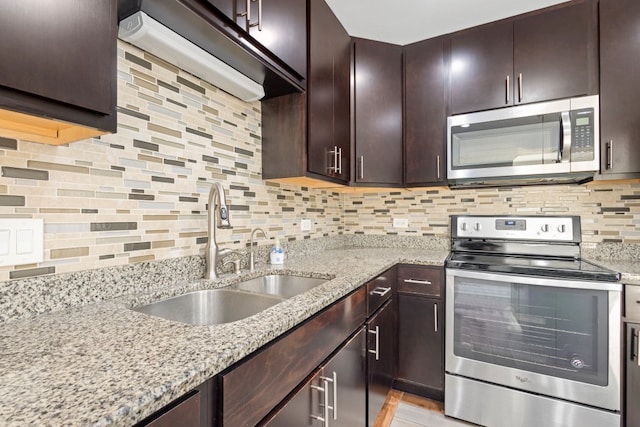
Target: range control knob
(463,226)
(477,226)
(562,228)
(545,228)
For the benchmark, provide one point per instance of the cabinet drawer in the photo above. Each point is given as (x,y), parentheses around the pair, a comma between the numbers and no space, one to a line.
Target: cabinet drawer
(632,302)
(252,389)
(417,279)
(380,290)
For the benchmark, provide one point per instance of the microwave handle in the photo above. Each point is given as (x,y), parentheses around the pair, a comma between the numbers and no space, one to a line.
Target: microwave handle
(565,142)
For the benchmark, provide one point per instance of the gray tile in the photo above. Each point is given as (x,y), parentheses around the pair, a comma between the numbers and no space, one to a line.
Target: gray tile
(399,422)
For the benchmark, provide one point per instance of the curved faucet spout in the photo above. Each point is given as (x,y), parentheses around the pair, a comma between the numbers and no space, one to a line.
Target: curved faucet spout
(217,217)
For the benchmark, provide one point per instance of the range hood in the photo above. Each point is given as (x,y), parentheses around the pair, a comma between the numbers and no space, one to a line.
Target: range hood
(150,35)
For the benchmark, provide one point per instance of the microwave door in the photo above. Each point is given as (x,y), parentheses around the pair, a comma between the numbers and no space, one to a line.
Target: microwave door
(519,146)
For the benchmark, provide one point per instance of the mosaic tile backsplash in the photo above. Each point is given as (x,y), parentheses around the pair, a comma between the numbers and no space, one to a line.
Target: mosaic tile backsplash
(140,194)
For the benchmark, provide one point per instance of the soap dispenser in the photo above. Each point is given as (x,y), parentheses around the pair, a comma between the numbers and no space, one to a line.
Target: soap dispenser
(277,254)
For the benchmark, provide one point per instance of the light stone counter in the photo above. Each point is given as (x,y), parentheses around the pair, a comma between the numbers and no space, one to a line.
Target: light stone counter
(103,364)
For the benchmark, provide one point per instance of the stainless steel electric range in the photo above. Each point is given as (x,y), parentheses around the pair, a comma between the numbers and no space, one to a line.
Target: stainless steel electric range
(532,330)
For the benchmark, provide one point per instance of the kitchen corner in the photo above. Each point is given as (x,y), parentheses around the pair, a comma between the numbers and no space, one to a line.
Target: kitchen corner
(125,215)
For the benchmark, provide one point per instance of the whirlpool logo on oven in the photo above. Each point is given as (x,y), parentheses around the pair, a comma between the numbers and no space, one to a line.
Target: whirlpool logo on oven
(522,380)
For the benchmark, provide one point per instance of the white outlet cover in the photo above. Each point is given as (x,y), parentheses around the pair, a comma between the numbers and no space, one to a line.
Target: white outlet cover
(400,223)
(305,225)
(21,241)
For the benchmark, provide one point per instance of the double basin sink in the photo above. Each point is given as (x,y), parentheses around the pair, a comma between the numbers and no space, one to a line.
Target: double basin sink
(235,302)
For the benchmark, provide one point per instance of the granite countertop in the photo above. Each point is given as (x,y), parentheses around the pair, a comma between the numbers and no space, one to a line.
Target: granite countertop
(103,364)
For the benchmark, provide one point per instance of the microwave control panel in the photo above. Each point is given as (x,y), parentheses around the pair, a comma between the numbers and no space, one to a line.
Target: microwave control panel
(582,146)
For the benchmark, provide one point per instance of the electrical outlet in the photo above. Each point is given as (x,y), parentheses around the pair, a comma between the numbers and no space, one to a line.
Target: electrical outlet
(305,225)
(400,223)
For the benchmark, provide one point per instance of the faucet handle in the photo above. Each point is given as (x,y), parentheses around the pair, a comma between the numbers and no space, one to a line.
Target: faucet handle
(236,264)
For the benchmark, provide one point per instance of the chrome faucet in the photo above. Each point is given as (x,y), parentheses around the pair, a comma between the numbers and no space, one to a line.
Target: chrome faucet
(217,217)
(252,266)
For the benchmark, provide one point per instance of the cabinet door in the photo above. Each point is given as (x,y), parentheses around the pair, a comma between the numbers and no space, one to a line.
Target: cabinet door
(281,27)
(425,76)
(337,391)
(381,359)
(328,94)
(551,54)
(619,86)
(61,50)
(347,371)
(482,68)
(421,344)
(632,413)
(378,112)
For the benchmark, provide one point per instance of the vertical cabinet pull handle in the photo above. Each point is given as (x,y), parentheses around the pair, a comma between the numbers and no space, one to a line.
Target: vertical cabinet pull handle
(634,346)
(324,419)
(247,12)
(609,164)
(361,167)
(520,89)
(376,332)
(259,23)
(438,166)
(339,160)
(435,317)
(335,395)
(507,89)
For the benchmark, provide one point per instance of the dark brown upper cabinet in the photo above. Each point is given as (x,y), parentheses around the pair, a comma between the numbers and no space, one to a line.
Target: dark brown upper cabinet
(425,82)
(328,94)
(278,25)
(58,76)
(543,55)
(308,135)
(377,113)
(619,87)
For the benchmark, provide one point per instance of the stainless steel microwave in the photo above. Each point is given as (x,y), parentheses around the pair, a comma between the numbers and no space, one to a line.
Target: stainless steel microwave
(549,142)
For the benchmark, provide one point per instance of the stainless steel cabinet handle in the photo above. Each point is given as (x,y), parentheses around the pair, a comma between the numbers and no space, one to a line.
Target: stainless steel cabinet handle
(361,167)
(417,282)
(247,12)
(376,332)
(520,90)
(324,419)
(333,168)
(380,291)
(610,155)
(259,23)
(335,395)
(435,317)
(339,171)
(634,346)
(438,166)
(334,381)
(507,89)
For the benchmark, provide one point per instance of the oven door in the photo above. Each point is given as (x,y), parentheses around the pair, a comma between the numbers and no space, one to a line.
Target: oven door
(559,338)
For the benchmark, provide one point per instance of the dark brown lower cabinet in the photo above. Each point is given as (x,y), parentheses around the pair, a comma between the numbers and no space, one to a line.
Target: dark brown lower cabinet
(632,392)
(380,359)
(334,395)
(420,331)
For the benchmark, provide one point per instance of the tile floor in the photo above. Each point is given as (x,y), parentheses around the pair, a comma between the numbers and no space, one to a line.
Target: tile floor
(410,415)
(414,411)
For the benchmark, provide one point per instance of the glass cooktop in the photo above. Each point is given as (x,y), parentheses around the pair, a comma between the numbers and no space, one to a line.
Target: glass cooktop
(558,267)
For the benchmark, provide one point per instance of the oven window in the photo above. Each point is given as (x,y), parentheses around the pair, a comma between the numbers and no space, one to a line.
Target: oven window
(548,330)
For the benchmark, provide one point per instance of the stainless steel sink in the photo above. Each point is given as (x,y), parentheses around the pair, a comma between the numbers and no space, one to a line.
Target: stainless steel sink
(210,307)
(284,286)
